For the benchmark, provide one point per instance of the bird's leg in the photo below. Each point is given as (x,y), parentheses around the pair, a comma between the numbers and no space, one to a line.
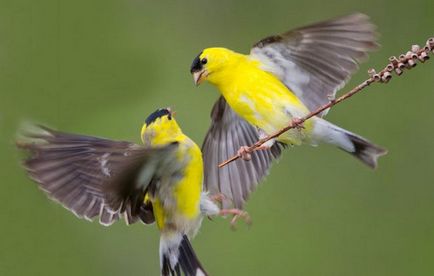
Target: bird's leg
(237,213)
(210,209)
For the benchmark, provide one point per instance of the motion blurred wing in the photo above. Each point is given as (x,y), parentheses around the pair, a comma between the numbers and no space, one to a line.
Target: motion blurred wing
(317,60)
(93,176)
(228,132)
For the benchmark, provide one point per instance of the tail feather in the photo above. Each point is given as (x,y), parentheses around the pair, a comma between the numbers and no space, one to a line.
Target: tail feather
(358,146)
(177,255)
(364,150)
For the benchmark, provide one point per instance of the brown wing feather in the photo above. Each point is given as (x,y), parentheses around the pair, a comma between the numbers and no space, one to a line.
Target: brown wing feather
(317,60)
(87,175)
(228,132)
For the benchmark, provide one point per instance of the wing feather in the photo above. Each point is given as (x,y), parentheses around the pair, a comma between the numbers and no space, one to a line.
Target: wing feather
(317,60)
(227,133)
(91,176)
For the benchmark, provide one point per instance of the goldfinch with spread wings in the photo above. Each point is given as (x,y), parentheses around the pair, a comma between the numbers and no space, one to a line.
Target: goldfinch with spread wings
(160,181)
(282,79)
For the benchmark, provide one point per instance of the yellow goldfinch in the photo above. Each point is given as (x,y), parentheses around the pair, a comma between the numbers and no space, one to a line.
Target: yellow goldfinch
(282,79)
(160,181)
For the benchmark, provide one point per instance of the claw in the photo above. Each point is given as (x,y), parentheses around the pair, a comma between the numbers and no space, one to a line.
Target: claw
(245,153)
(237,215)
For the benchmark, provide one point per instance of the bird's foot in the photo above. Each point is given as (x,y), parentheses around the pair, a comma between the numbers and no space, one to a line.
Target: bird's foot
(297,123)
(237,214)
(245,153)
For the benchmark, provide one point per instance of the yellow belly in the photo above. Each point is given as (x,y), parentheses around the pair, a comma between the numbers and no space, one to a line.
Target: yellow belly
(188,190)
(185,192)
(264,101)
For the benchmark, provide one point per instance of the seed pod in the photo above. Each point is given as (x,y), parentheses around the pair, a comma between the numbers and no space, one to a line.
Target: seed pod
(371,72)
(401,65)
(423,56)
(398,71)
(414,56)
(409,55)
(394,61)
(411,63)
(430,43)
(376,77)
(390,67)
(386,77)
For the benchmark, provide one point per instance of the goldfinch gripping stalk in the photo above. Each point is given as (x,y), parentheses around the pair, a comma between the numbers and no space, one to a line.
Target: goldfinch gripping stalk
(160,181)
(282,79)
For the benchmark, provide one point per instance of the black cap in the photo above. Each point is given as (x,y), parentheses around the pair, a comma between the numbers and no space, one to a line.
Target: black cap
(158,114)
(196,65)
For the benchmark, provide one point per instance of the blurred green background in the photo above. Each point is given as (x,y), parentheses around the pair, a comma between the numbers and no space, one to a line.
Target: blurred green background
(100,67)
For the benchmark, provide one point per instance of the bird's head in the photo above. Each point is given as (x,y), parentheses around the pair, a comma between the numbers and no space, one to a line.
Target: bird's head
(160,128)
(210,63)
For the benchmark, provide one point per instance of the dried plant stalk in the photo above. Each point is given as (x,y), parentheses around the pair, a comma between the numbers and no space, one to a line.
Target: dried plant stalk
(396,65)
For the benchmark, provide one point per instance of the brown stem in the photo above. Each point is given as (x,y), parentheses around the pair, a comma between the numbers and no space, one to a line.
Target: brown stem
(397,65)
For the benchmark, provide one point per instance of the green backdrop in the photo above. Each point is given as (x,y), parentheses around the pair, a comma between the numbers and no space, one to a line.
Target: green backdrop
(100,67)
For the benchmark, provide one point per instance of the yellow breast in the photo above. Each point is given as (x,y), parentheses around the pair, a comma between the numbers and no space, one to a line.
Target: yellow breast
(188,190)
(261,99)
(185,188)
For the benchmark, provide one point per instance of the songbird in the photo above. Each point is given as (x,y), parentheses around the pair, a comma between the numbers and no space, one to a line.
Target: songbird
(282,79)
(159,181)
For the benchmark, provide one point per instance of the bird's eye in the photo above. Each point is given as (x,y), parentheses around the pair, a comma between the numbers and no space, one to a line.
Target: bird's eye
(204,61)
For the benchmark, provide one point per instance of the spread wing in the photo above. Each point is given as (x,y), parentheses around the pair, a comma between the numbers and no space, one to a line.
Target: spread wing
(317,60)
(228,132)
(94,177)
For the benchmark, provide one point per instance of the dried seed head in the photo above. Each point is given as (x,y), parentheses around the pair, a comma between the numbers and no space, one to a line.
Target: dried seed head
(394,61)
(430,43)
(401,65)
(411,63)
(371,72)
(376,77)
(386,77)
(409,55)
(423,56)
(390,67)
(398,71)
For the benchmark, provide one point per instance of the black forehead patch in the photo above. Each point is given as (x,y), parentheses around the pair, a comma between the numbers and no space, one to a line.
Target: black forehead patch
(196,65)
(157,114)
